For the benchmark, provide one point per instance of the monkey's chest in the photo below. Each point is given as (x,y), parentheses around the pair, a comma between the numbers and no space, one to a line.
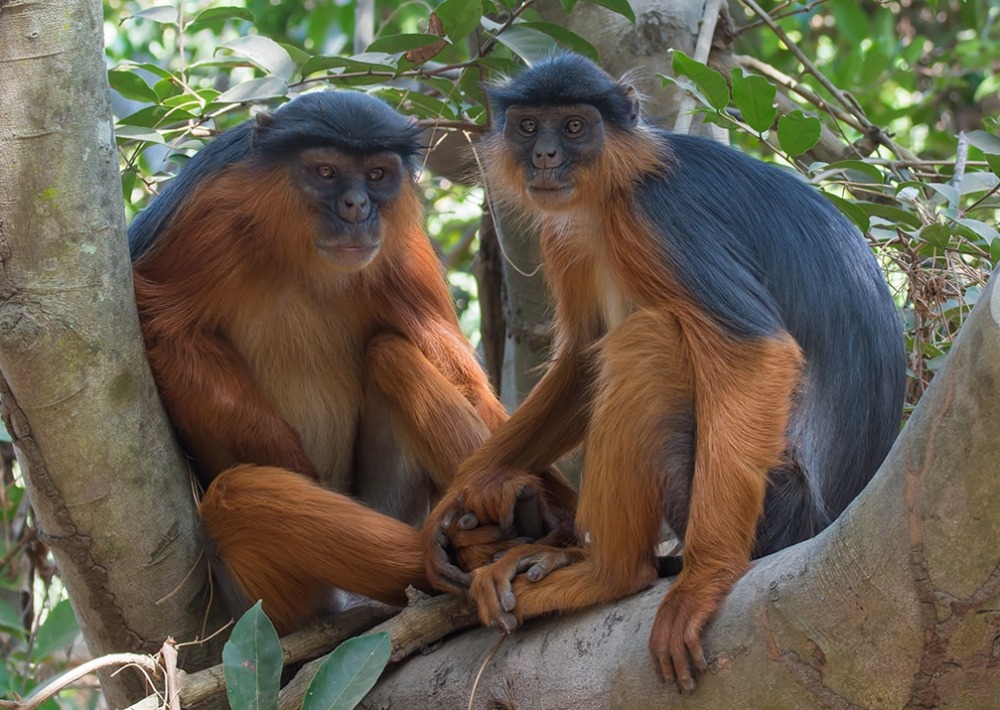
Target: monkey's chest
(309,365)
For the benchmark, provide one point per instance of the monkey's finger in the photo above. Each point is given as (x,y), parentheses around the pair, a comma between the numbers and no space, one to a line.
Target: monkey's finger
(507,623)
(682,669)
(693,643)
(468,521)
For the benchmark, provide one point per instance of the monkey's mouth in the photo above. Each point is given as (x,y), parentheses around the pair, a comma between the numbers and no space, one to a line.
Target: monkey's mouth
(349,254)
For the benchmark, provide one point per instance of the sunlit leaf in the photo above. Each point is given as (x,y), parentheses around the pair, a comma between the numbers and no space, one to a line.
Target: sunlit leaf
(986,142)
(252,662)
(163,14)
(980,229)
(347,674)
(569,39)
(226,12)
(978,182)
(711,83)
(948,192)
(754,97)
(622,7)
(798,133)
(264,53)
(267,87)
(530,45)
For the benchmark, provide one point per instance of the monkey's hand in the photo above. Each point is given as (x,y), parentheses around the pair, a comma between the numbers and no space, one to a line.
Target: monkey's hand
(495,591)
(675,641)
(484,515)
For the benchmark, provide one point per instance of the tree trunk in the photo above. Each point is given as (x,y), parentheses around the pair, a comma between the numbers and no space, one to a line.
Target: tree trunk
(110,490)
(894,605)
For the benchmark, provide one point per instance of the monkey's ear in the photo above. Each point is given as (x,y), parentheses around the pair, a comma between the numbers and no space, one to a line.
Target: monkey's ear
(632,96)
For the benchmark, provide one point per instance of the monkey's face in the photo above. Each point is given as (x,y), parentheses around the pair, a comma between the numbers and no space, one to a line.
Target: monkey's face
(554,143)
(346,193)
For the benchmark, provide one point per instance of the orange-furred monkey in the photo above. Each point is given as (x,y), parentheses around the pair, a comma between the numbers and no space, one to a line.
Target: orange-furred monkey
(726,349)
(305,345)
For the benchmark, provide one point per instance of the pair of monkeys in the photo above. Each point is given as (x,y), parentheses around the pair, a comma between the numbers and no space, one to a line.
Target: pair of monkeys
(726,350)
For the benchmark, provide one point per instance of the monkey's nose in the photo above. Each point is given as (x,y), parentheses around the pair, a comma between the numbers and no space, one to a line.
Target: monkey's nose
(547,158)
(353,206)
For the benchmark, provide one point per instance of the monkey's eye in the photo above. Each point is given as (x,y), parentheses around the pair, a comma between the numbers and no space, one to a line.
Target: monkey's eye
(376,174)
(527,125)
(574,126)
(325,171)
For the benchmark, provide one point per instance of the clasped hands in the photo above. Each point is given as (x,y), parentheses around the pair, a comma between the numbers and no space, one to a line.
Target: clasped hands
(497,524)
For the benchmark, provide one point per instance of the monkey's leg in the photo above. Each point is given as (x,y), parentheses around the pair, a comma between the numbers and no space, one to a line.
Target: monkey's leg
(643,390)
(743,395)
(286,540)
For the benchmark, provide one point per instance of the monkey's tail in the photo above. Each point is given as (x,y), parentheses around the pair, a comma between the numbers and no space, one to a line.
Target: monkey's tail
(278,536)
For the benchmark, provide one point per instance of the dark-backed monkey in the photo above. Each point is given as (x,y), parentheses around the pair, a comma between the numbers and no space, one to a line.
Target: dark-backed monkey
(305,345)
(726,348)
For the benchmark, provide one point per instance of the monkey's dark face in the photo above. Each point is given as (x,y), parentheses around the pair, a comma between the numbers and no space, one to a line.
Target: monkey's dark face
(552,143)
(347,193)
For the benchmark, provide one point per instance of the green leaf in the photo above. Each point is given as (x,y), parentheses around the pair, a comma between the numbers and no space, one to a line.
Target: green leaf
(797,132)
(138,133)
(993,161)
(712,83)
(56,633)
(852,21)
(359,63)
(347,674)
(986,142)
(568,5)
(893,214)
(264,53)
(850,209)
(622,7)
(251,662)
(266,87)
(131,86)
(10,622)
(163,14)
(459,17)
(393,44)
(566,38)
(936,235)
(226,12)
(978,182)
(948,192)
(754,97)
(530,45)
(857,171)
(980,229)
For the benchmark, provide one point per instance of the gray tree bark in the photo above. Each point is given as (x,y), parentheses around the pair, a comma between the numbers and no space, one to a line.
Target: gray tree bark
(110,490)
(895,605)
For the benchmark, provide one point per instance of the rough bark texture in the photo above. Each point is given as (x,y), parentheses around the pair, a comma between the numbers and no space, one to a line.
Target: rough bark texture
(895,605)
(75,388)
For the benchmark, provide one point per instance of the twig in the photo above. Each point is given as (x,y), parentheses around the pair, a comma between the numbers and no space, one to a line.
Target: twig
(703,47)
(414,628)
(28,536)
(54,686)
(799,88)
(961,158)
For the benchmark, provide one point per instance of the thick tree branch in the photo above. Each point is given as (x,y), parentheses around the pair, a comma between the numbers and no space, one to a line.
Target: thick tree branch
(894,605)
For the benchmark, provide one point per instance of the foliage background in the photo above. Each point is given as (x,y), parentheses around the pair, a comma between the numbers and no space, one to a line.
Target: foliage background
(914,102)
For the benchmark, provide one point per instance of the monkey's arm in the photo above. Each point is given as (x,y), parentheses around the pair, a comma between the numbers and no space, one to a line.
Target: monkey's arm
(214,402)
(743,397)
(505,470)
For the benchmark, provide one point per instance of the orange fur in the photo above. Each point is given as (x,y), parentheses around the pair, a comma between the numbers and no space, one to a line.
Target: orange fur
(637,362)
(267,353)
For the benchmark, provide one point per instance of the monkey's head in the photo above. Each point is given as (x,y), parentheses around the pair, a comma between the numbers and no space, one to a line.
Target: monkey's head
(350,156)
(555,125)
